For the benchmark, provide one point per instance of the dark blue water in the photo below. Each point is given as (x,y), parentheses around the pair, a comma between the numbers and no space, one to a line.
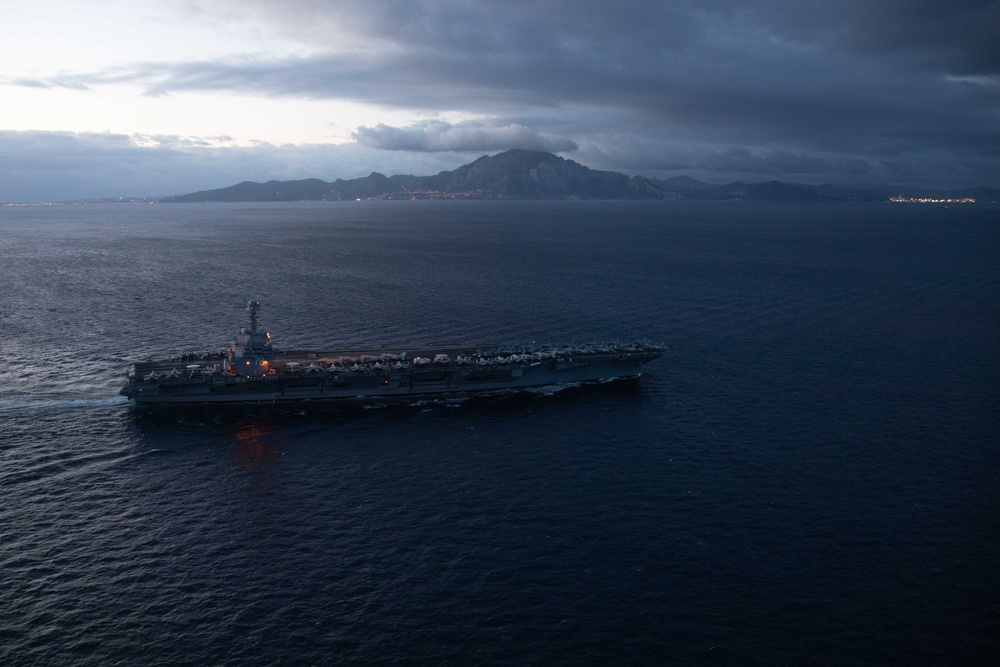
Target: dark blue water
(810,474)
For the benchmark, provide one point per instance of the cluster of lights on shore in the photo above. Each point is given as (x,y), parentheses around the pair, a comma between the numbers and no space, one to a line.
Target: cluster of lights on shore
(931,200)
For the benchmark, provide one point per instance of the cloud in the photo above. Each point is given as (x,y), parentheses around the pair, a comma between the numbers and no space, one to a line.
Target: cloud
(800,77)
(957,36)
(942,37)
(436,135)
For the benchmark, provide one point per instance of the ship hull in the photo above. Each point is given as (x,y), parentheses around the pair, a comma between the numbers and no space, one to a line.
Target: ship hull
(424,380)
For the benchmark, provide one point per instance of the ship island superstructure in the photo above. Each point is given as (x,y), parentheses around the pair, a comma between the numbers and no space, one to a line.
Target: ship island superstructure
(252,371)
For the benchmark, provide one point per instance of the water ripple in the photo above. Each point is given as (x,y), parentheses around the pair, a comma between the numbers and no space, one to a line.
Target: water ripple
(814,457)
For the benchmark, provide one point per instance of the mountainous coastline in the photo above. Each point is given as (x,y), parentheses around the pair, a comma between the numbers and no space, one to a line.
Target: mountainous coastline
(522,174)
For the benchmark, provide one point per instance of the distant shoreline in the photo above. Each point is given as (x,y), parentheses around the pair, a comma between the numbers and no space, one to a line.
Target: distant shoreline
(523,175)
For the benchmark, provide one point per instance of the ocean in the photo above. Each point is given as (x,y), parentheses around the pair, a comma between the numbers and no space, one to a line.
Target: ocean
(808,476)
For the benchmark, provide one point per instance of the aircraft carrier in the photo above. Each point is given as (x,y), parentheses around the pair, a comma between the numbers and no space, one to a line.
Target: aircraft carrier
(252,371)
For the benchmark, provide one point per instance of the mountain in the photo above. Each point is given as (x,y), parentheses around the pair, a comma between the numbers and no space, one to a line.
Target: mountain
(534,175)
(523,174)
(515,174)
(310,188)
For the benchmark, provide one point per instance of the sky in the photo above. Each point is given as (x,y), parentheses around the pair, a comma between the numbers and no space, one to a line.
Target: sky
(133,98)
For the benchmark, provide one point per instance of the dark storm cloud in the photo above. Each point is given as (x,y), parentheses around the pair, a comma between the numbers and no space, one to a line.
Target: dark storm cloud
(822,87)
(959,36)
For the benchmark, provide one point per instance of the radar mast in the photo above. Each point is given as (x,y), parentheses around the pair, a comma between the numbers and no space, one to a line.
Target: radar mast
(252,308)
